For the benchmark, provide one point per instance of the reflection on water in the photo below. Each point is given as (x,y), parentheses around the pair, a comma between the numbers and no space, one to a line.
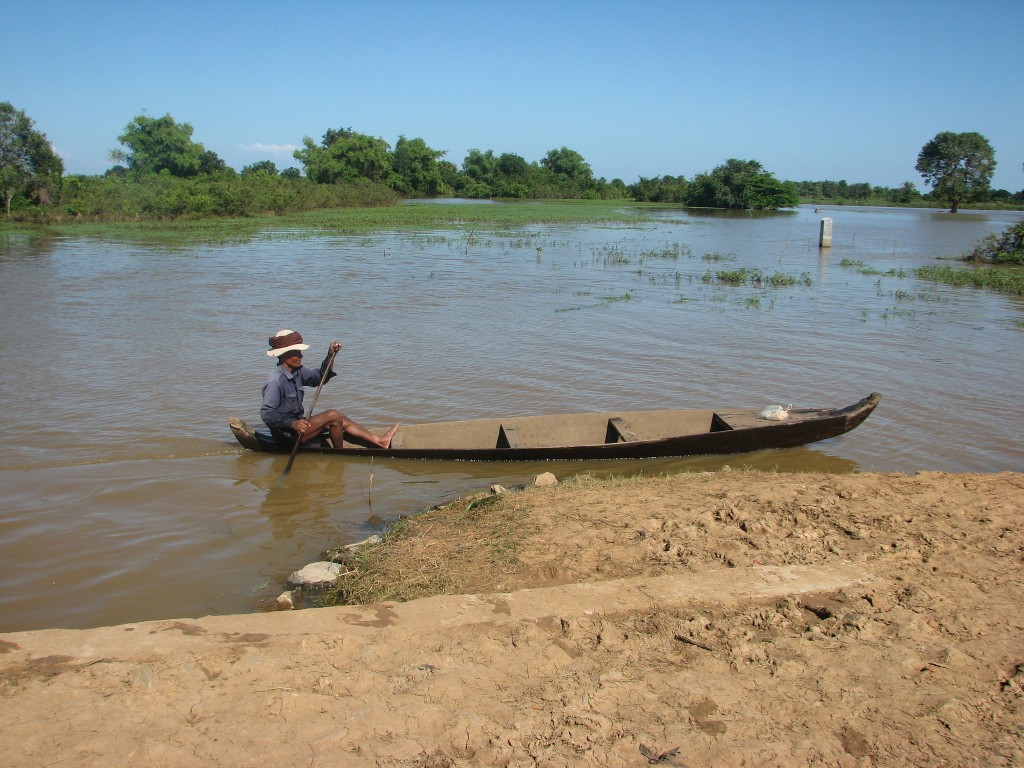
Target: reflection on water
(125,497)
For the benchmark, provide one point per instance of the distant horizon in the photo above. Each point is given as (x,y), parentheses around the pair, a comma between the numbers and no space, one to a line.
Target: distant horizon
(653,89)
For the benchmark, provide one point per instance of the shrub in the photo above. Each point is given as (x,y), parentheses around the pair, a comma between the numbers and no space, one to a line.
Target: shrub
(1005,248)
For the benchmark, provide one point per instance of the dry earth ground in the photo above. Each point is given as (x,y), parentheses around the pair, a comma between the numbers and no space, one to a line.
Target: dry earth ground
(720,619)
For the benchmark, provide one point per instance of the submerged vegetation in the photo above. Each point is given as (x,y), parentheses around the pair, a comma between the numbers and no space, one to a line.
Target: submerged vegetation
(864,269)
(1005,248)
(1003,279)
(499,217)
(756,278)
(999,263)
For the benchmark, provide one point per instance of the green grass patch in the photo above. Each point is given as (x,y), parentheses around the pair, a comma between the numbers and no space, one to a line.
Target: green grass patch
(497,216)
(756,278)
(438,551)
(1002,279)
(672,252)
(726,276)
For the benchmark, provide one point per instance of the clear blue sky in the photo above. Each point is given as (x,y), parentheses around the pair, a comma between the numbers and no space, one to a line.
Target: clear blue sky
(812,90)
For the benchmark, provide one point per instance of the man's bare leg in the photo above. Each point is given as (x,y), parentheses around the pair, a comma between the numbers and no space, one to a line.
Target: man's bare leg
(338,424)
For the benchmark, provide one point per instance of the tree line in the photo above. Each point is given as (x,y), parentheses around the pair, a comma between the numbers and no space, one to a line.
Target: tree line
(161,172)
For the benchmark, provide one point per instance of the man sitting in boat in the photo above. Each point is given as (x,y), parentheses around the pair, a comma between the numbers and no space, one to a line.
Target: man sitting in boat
(282,398)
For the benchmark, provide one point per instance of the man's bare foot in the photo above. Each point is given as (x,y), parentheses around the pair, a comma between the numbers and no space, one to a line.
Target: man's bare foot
(385,440)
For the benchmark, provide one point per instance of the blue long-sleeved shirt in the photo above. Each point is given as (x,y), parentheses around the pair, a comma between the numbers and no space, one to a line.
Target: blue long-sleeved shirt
(282,394)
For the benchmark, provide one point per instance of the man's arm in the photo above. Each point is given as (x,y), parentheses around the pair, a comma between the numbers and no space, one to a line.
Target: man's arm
(334,348)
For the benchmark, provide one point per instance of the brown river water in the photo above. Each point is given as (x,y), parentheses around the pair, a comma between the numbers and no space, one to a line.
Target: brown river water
(125,497)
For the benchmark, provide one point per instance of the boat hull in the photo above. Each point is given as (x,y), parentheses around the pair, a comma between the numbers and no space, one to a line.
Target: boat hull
(626,435)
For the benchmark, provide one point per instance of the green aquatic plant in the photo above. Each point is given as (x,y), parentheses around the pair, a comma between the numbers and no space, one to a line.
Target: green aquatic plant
(756,278)
(1004,248)
(1002,279)
(627,296)
(861,267)
(495,216)
(673,252)
(731,277)
(602,301)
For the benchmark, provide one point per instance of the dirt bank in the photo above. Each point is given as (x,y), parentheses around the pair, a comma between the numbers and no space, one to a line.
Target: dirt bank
(721,619)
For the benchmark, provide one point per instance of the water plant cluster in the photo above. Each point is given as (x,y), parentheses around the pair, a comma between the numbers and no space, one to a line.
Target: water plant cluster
(756,278)
(865,269)
(997,265)
(1004,248)
(1005,280)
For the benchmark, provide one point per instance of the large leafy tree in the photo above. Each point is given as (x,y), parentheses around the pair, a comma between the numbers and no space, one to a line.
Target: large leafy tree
(484,175)
(265,167)
(564,173)
(479,174)
(28,164)
(766,193)
(959,166)
(155,144)
(345,155)
(742,184)
(568,163)
(419,168)
(512,176)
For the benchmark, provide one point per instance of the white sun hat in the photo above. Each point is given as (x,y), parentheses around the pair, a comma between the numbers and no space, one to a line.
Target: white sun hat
(285,341)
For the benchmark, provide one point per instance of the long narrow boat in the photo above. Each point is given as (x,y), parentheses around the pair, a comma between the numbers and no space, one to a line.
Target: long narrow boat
(623,435)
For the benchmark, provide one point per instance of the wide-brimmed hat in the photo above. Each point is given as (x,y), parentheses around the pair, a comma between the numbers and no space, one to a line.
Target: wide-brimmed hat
(285,341)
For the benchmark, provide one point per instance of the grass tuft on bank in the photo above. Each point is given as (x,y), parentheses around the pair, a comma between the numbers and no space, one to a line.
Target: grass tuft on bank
(464,546)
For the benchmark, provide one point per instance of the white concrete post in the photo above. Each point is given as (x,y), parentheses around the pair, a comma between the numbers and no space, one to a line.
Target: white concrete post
(825,234)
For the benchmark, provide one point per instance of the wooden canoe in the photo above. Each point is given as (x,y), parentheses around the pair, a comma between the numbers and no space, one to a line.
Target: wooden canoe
(624,435)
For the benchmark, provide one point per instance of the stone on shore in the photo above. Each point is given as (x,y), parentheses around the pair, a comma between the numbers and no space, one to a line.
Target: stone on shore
(315,577)
(546,478)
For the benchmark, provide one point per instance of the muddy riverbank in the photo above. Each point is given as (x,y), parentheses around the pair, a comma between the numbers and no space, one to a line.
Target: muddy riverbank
(717,619)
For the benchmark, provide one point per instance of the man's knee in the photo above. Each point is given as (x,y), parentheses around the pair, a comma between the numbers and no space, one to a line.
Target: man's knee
(337,417)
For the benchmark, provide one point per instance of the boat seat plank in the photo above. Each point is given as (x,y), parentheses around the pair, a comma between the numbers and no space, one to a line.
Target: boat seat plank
(507,437)
(620,431)
(398,440)
(741,419)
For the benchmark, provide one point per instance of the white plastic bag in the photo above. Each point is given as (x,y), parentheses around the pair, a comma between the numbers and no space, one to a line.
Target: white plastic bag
(775,413)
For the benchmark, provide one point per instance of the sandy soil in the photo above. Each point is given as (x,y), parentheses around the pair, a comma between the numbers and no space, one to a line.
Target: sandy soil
(725,619)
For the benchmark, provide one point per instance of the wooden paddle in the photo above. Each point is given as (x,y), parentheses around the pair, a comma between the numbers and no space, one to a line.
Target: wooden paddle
(312,405)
